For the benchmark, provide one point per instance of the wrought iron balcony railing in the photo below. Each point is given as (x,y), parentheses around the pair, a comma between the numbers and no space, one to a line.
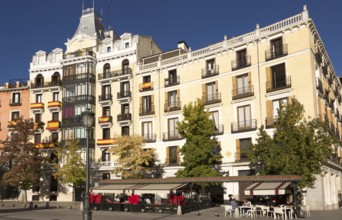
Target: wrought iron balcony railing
(105,97)
(276,52)
(243,92)
(210,72)
(124,94)
(243,126)
(172,106)
(124,117)
(46,84)
(149,137)
(146,86)
(241,63)
(115,74)
(171,81)
(15,102)
(278,84)
(171,136)
(146,110)
(211,98)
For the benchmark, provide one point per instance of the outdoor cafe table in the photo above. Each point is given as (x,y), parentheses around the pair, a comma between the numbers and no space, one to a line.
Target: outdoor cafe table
(243,210)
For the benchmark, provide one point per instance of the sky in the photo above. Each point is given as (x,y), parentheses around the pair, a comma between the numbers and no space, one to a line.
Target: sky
(30,26)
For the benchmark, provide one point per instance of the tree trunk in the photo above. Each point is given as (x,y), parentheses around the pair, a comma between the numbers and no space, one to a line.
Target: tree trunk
(73,193)
(25,197)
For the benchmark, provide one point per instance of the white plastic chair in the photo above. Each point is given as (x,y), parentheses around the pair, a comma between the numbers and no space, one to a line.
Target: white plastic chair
(228,210)
(279,211)
(306,210)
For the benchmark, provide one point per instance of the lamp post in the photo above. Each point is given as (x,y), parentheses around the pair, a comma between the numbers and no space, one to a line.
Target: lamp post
(88,120)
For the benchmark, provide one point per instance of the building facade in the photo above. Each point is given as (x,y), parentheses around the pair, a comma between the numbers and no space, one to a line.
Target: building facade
(135,88)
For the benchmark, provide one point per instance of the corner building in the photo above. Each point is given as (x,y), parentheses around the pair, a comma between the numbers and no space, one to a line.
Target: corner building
(135,88)
(242,81)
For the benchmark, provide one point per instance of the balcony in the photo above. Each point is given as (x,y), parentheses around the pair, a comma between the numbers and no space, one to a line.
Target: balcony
(45,145)
(243,126)
(318,56)
(172,106)
(72,100)
(46,84)
(38,126)
(146,110)
(105,97)
(80,53)
(124,95)
(11,124)
(149,137)
(75,121)
(218,129)
(241,157)
(243,92)
(241,63)
(319,85)
(54,105)
(124,117)
(271,121)
(115,74)
(14,102)
(82,142)
(38,106)
(79,78)
(276,52)
(107,141)
(171,136)
(105,119)
(171,81)
(209,99)
(145,86)
(210,72)
(53,125)
(278,84)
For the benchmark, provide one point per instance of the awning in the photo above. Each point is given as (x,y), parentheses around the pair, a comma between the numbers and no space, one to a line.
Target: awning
(265,188)
(119,188)
(113,188)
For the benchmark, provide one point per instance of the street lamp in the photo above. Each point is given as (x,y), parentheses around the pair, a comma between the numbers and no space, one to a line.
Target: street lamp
(88,120)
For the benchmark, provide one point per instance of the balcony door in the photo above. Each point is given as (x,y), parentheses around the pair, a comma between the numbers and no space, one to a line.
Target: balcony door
(277,47)
(241,58)
(106,91)
(244,117)
(277,104)
(172,98)
(146,104)
(278,76)
(242,84)
(172,77)
(215,117)
(124,88)
(172,128)
(146,130)
(211,91)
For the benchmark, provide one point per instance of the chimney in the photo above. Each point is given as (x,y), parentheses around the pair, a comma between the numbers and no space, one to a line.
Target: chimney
(183,46)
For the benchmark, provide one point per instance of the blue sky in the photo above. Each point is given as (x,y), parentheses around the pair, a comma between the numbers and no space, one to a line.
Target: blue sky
(29,26)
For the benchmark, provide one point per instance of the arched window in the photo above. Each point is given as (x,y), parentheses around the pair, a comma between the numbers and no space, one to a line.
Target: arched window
(39,80)
(55,79)
(125,67)
(106,70)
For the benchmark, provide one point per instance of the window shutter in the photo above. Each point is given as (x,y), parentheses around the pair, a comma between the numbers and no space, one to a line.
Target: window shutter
(167,158)
(249,78)
(269,108)
(289,99)
(237,155)
(178,156)
(234,82)
(204,89)
(178,94)
(268,75)
(216,85)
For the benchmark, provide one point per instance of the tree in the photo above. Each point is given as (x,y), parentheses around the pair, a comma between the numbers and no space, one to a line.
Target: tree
(73,171)
(200,151)
(298,146)
(134,161)
(20,159)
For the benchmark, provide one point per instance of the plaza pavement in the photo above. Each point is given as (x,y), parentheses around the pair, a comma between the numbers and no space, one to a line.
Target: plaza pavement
(10,213)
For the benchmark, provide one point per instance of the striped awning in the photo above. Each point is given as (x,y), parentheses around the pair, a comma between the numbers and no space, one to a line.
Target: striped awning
(267,188)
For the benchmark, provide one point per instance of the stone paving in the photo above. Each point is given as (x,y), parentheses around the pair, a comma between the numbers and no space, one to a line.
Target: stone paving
(10,213)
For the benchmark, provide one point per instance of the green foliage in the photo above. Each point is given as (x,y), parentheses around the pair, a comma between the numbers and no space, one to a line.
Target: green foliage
(197,129)
(298,145)
(72,171)
(20,160)
(135,162)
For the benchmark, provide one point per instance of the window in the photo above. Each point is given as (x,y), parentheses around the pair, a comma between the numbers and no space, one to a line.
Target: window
(80,132)
(55,96)
(125,130)
(244,116)
(16,98)
(146,79)
(241,56)
(242,82)
(124,89)
(39,98)
(109,49)
(55,116)
(210,64)
(126,44)
(277,104)
(55,79)
(105,155)
(79,109)
(106,70)
(125,109)
(106,92)
(245,143)
(172,77)
(172,156)
(277,77)
(39,80)
(277,47)
(146,130)
(214,115)
(54,137)
(37,138)
(125,67)
(172,98)
(81,68)
(211,91)
(15,115)
(37,118)
(146,104)
(105,176)
(172,128)
(106,133)
(106,111)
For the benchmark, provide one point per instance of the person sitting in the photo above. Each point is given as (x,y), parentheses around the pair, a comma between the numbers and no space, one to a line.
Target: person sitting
(247,203)
(233,204)
(147,200)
